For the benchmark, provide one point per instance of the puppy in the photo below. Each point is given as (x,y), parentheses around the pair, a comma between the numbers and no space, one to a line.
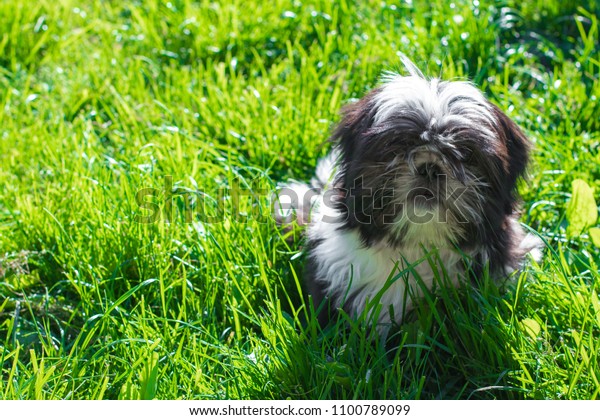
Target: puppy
(421,183)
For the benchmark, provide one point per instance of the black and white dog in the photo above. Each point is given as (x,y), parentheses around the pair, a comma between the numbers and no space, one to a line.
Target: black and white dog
(420,167)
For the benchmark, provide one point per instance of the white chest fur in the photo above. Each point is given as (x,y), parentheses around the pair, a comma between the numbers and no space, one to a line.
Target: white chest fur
(349,268)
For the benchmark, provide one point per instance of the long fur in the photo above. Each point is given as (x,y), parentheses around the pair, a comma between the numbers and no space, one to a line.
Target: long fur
(419,168)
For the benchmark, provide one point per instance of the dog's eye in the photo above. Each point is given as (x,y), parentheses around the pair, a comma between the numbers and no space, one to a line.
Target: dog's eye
(468,156)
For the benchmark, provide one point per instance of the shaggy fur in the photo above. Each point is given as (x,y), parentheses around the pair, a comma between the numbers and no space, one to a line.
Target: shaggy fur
(420,167)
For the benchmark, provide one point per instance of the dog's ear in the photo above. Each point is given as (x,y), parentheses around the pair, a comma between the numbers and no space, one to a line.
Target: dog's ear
(357,118)
(517,147)
(513,157)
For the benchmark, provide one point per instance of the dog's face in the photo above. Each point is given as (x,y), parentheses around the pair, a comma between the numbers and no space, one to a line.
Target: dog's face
(427,161)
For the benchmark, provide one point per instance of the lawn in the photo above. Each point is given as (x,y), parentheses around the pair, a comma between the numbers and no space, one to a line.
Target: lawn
(129,268)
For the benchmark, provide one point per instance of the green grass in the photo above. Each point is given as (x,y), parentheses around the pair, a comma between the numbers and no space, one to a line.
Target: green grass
(99,100)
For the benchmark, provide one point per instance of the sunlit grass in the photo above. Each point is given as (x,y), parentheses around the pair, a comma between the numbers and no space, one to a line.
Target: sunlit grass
(189,101)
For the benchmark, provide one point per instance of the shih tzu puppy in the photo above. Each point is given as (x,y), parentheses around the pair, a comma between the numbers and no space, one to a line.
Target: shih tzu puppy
(420,185)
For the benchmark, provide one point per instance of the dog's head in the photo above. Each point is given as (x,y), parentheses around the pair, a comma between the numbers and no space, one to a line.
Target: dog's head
(427,161)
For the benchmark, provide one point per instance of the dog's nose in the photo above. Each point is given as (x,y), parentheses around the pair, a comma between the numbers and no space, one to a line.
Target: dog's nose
(429,170)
